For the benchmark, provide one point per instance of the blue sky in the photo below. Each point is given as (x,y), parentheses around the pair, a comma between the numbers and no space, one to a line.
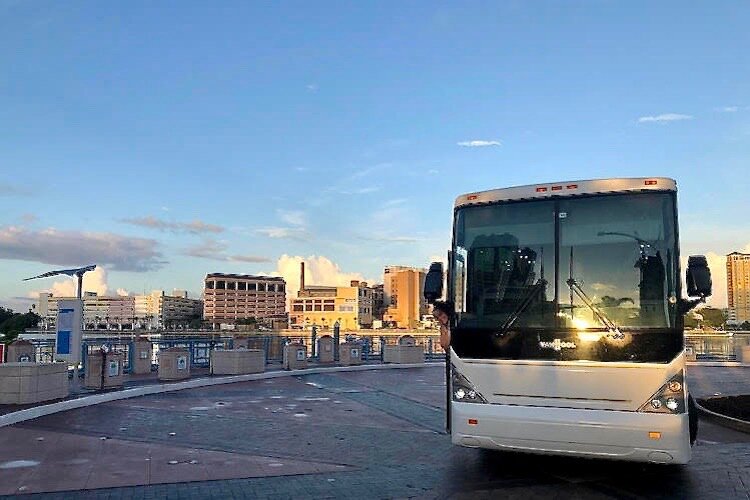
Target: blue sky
(167,140)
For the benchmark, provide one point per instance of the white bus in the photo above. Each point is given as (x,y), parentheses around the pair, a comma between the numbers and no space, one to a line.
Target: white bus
(567,336)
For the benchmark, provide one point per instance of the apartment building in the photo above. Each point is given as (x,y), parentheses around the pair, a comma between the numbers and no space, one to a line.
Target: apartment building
(231,297)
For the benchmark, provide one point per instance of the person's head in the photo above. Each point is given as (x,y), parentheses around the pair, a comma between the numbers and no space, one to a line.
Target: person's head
(442,311)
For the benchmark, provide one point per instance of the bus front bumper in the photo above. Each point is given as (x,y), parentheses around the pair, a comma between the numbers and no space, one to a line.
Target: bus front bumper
(621,435)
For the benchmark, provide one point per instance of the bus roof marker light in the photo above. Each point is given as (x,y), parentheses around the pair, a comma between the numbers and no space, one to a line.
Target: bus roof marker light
(473,421)
(571,186)
(654,435)
(472,197)
(650,182)
(556,188)
(541,190)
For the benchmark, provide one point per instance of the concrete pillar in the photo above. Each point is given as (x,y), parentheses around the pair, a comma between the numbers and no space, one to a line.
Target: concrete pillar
(140,362)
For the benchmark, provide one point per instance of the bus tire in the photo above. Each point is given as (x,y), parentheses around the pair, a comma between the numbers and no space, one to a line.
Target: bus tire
(692,419)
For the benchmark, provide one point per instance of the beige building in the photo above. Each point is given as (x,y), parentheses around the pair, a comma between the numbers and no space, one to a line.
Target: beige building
(231,297)
(99,311)
(160,310)
(324,306)
(738,287)
(404,296)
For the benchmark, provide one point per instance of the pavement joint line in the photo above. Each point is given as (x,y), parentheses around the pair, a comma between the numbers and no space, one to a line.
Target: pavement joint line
(85,401)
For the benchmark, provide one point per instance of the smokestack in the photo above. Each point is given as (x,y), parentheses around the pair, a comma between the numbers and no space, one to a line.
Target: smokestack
(302,277)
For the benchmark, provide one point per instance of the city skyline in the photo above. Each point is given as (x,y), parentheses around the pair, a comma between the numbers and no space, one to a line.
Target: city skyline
(341,134)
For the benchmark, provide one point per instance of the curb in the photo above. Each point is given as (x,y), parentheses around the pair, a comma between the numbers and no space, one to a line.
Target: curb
(723,420)
(72,404)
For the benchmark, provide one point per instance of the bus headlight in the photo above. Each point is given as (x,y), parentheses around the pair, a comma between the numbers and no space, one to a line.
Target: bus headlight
(462,390)
(670,398)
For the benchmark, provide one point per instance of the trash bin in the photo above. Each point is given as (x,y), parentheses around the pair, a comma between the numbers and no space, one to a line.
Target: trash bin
(110,377)
(406,352)
(174,364)
(745,354)
(295,356)
(21,351)
(325,349)
(142,352)
(26,383)
(351,353)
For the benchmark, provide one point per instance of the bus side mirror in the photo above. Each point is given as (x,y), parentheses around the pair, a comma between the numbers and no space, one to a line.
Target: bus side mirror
(433,282)
(698,277)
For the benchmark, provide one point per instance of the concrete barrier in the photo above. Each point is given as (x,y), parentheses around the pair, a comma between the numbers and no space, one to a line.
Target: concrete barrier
(237,361)
(295,357)
(350,353)
(21,351)
(142,352)
(325,349)
(26,383)
(111,377)
(403,354)
(174,364)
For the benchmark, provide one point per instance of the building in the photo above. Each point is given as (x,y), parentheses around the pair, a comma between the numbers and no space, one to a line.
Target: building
(160,310)
(738,287)
(378,302)
(99,311)
(404,296)
(324,306)
(232,297)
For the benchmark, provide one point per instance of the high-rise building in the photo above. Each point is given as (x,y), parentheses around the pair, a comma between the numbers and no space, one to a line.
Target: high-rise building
(404,296)
(231,297)
(738,287)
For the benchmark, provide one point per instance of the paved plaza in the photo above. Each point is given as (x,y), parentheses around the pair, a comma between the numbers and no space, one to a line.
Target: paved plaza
(367,434)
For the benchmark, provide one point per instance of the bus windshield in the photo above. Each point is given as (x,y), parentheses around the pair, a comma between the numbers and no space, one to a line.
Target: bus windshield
(592,277)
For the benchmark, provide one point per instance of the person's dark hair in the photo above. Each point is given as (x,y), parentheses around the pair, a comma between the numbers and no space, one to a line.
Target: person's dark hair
(445,306)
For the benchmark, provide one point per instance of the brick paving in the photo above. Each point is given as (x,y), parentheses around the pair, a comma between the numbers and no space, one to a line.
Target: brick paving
(371,434)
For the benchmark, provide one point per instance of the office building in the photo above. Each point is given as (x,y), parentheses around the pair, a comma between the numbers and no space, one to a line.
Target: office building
(738,287)
(404,296)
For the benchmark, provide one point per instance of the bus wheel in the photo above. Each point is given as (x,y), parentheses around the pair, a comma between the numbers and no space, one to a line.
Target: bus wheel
(692,419)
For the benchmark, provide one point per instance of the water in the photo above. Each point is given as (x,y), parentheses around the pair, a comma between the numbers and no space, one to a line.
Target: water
(718,346)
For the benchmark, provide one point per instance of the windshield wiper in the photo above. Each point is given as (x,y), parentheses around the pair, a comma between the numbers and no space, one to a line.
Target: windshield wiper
(531,294)
(576,288)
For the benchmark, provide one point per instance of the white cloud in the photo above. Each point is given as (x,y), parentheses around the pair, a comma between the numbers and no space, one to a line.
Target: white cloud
(93,281)
(312,87)
(727,109)
(121,292)
(75,248)
(290,233)
(479,144)
(666,117)
(319,270)
(293,217)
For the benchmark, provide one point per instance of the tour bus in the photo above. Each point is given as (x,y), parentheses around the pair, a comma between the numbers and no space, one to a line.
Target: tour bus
(567,332)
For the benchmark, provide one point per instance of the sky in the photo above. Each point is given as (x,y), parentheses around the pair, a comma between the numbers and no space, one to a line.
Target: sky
(166,140)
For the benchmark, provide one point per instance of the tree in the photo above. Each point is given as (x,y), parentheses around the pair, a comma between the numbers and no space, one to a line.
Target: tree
(713,317)
(14,325)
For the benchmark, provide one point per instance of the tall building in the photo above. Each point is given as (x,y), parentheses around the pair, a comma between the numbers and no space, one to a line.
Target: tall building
(231,297)
(324,306)
(404,296)
(738,287)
